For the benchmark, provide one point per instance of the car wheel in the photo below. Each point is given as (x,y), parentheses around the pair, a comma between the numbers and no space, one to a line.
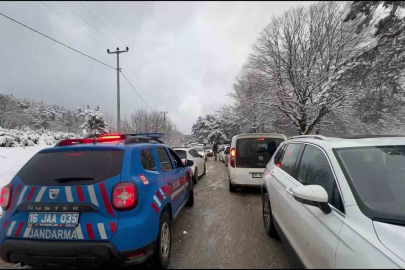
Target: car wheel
(190,201)
(196,176)
(232,188)
(164,243)
(268,217)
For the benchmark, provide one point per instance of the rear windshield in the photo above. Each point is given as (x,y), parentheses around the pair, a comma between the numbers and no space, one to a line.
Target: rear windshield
(207,147)
(182,154)
(71,168)
(255,152)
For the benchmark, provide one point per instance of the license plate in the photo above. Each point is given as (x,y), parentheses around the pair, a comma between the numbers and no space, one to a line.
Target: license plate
(257,175)
(61,220)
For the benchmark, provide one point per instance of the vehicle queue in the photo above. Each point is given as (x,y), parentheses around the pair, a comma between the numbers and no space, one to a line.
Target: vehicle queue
(334,202)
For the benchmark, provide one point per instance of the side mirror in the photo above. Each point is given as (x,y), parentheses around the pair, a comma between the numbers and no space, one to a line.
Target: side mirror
(201,156)
(189,163)
(313,195)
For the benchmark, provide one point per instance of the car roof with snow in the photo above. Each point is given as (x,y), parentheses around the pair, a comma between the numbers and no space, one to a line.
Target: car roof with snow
(352,141)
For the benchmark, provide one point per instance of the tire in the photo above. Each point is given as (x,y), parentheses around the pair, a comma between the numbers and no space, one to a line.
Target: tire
(196,176)
(190,201)
(164,242)
(268,218)
(232,188)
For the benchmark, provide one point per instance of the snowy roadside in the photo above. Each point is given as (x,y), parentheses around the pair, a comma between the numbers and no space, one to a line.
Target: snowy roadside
(13,158)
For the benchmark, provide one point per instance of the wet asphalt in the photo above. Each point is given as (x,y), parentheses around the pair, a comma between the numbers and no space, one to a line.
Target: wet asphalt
(223,229)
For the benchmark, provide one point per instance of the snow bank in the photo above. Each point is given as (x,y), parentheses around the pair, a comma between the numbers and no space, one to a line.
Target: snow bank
(26,137)
(12,159)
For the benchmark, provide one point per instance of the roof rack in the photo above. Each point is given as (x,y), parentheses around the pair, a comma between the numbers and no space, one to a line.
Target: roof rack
(319,137)
(370,136)
(134,138)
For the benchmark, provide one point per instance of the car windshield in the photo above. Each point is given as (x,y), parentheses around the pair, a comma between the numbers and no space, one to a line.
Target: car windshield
(377,178)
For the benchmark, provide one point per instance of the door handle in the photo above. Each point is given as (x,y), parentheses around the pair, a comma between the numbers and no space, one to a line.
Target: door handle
(272,173)
(289,191)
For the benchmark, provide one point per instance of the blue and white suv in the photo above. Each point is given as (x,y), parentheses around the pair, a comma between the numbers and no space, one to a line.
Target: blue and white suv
(92,202)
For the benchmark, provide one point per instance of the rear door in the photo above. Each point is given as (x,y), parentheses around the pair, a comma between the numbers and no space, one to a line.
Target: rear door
(181,194)
(174,176)
(316,234)
(253,152)
(281,181)
(65,194)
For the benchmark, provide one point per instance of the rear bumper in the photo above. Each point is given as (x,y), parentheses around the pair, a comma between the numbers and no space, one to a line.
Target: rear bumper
(246,181)
(70,254)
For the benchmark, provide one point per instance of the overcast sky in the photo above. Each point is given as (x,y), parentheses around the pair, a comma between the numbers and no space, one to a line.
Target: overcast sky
(185,55)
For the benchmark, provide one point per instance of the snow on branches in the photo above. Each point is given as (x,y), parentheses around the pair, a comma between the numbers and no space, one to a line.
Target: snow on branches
(95,124)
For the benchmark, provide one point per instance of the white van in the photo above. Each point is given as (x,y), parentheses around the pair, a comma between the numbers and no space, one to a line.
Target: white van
(249,156)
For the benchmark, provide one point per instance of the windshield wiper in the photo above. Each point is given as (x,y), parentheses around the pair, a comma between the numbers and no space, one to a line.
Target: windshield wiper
(70,179)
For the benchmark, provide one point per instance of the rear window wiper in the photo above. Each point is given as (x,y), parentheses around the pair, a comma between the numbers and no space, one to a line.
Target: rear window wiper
(70,179)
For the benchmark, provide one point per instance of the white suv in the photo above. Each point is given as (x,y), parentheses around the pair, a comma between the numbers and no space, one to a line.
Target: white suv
(248,157)
(338,202)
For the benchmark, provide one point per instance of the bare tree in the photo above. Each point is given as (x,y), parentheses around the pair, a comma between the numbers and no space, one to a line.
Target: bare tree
(300,55)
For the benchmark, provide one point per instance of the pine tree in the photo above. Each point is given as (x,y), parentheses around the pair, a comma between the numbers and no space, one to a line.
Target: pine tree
(95,124)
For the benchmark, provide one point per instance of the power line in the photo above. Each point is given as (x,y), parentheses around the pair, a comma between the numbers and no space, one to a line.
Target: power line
(136,90)
(112,33)
(89,24)
(107,40)
(101,21)
(69,21)
(57,41)
(109,30)
(101,33)
(133,69)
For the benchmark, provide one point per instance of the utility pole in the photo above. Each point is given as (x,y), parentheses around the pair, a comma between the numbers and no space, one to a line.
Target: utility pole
(117,52)
(164,121)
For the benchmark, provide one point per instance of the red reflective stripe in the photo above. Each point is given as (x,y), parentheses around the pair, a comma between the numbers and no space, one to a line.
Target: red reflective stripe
(167,190)
(14,197)
(106,200)
(159,195)
(20,226)
(90,232)
(178,195)
(80,193)
(31,194)
(5,224)
(155,207)
(113,227)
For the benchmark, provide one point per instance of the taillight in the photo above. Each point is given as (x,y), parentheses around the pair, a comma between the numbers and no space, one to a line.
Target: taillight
(233,152)
(232,159)
(125,196)
(6,196)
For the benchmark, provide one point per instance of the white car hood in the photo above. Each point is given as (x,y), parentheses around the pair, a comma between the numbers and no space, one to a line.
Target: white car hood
(392,237)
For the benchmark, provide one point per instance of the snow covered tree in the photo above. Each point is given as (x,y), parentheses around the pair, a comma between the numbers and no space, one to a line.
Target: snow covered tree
(95,124)
(299,55)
